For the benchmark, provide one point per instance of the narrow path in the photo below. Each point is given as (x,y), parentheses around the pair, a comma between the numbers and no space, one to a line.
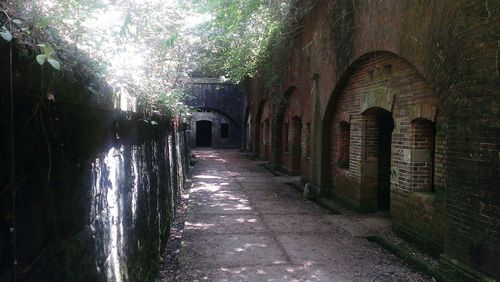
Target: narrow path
(244,224)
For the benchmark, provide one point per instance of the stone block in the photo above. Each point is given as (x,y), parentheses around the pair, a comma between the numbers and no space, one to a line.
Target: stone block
(381,97)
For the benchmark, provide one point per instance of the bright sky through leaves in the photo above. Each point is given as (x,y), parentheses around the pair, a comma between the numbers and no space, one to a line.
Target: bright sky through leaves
(147,47)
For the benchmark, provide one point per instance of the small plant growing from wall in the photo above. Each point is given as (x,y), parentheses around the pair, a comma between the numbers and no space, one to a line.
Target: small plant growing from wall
(47,56)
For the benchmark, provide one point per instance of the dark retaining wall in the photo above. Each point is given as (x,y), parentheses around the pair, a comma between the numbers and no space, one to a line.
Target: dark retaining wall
(95,189)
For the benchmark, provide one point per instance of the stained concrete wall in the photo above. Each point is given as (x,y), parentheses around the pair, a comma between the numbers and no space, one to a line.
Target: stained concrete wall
(219,102)
(452,46)
(217,118)
(94,189)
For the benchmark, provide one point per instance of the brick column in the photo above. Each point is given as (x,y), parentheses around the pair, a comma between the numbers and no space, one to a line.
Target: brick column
(318,176)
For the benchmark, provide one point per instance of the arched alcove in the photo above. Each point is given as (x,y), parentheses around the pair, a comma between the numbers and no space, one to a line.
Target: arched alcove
(378,125)
(203,133)
(391,157)
(224,130)
(266,142)
(262,131)
(289,132)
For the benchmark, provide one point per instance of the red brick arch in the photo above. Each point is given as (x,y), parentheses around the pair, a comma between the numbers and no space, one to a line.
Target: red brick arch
(262,132)
(385,99)
(287,128)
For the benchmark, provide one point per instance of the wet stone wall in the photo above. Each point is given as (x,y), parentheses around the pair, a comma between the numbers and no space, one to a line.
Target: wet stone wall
(95,192)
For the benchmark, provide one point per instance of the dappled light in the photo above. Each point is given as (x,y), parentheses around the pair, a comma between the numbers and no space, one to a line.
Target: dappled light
(249,140)
(253,226)
(250,246)
(197,226)
(206,177)
(144,49)
(206,187)
(109,168)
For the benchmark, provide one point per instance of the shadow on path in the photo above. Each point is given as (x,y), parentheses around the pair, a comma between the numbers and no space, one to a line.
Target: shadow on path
(245,224)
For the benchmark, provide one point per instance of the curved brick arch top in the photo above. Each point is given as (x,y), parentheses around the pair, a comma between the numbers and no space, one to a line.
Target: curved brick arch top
(223,132)
(225,98)
(293,106)
(262,129)
(212,110)
(293,103)
(263,111)
(382,81)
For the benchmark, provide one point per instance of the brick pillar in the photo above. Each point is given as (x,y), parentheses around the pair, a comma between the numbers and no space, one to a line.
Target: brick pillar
(319,176)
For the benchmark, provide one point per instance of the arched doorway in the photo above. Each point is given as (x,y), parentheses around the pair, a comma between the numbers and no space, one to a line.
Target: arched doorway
(203,133)
(265,139)
(214,128)
(383,147)
(262,139)
(289,132)
(378,125)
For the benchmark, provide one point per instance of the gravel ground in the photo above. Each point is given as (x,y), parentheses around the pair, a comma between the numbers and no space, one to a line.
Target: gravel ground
(410,248)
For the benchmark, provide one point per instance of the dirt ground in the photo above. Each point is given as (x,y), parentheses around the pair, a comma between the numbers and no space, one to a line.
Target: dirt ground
(242,223)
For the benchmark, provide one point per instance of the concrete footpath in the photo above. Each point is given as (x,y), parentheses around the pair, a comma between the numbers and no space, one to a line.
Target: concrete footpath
(245,224)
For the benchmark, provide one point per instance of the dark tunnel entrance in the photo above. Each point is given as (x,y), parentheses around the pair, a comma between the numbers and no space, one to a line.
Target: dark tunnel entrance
(203,133)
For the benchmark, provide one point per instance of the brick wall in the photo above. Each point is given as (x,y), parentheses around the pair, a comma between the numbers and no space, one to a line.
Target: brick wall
(265,139)
(295,117)
(423,132)
(264,136)
(384,92)
(306,149)
(442,58)
(371,86)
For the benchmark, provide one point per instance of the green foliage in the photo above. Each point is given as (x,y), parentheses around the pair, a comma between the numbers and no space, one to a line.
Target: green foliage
(169,42)
(170,102)
(17,24)
(147,48)
(46,56)
(164,100)
(5,34)
(250,36)
(238,36)
(133,43)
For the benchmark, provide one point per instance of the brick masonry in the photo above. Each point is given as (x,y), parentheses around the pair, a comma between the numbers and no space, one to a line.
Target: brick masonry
(431,71)
(292,123)
(264,119)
